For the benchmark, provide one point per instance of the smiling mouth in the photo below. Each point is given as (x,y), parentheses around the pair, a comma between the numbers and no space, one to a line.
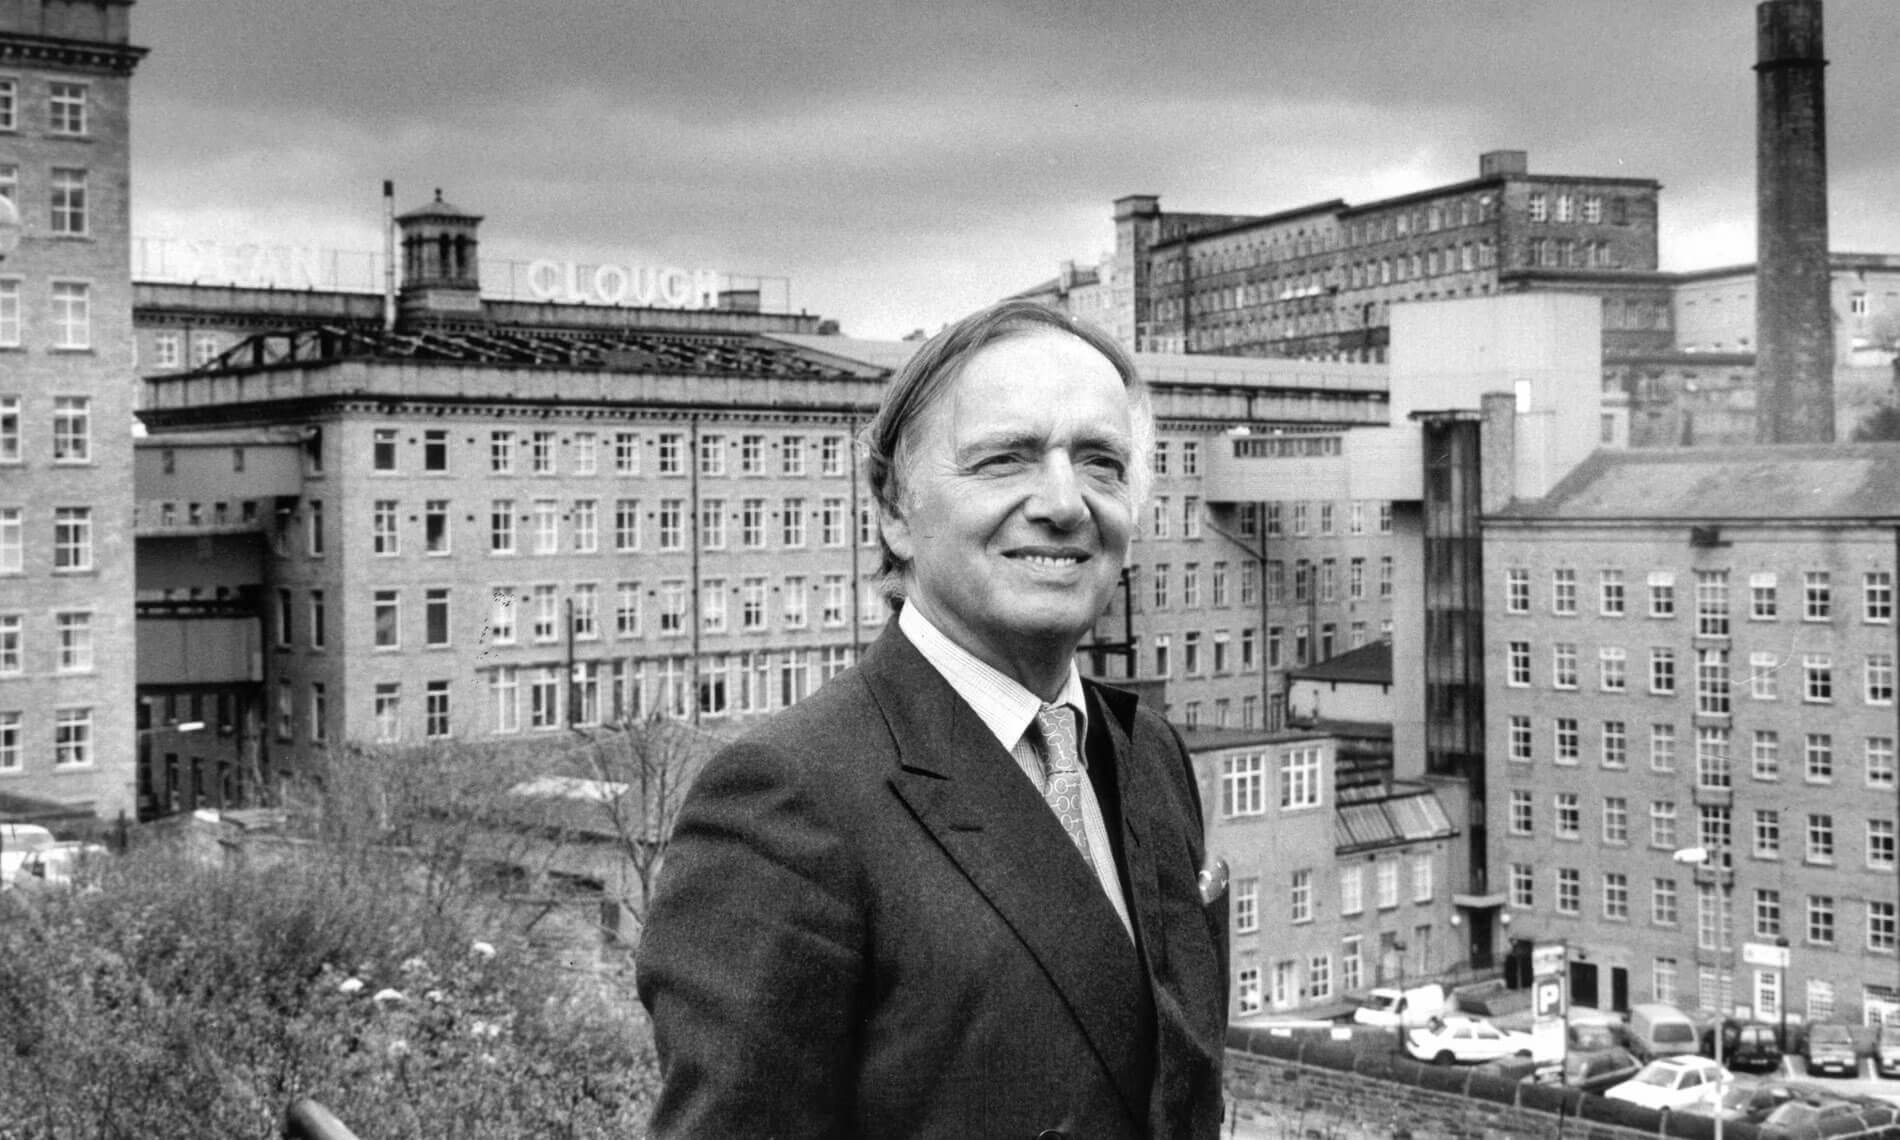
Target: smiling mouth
(1052,561)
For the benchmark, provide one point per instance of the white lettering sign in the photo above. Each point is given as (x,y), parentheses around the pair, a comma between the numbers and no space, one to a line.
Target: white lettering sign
(640,286)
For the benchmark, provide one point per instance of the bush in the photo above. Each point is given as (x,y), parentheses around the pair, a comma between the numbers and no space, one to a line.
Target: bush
(174,999)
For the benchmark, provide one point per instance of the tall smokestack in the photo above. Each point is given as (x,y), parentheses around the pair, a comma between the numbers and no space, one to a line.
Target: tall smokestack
(1794,317)
(389,255)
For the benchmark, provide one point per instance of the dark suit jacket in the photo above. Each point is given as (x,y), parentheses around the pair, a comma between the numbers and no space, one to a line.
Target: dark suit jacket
(870,925)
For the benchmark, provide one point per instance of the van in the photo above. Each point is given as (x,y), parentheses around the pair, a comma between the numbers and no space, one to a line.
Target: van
(1660,1030)
(1391,1008)
(19,842)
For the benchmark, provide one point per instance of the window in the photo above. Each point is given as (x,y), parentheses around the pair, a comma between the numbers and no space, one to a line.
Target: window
(501,526)
(73,639)
(1880,844)
(1521,747)
(752,524)
(831,456)
(1539,207)
(794,614)
(831,522)
(752,604)
(547,526)
(1247,997)
(1518,664)
(627,609)
(1876,594)
(72,539)
(10,744)
(1191,585)
(68,201)
(1817,596)
(712,524)
(1160,517)
(1247,906)
(1817,678)
(1877,686)
(712,605)
(1820,838)
(435,710)
(1765,758)
(1883,932)
(66,108)
(836,597)
(383,450)
(9,429)
(1767,833)
(1662,594)
(1665,902)
(1300,778)
(541,452)
(1568,816)
(319,621)
(1569,891)
(1610,593)
(1763,602)
(1523,817)
(792,456)
(1712,757)
(72,429)
(1662,747)
(626,453)
(12,539)
(1563,591)
(501,452)
(712,454)
(435,450)
(1523,886)
(1712,682)
(1880,762)
(1563,665)
(72,738)
(793,523)
(1422,886)
(9,103)
(386,608)
(1662,671)
(1821,920)
(586,453)
(1615,744)
(388,711)
(672,524)
(1662,824)
(1243,785)
(501,615)
(1352,889)
(1388,884)
(313,528)
(1616,820)
(382,528)
(1385,576)
(319,712)
(1662,976)
(435,616)
(1767,913)
(1613,669)
(1764,673)
(545,612)
(435,526)
(1711,603)
(1616,896)
(544,698)
(1567,740)
(72,315)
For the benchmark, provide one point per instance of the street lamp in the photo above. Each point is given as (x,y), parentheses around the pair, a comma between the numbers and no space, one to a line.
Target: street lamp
(1398,1007)
(1698,857)
(1781,993)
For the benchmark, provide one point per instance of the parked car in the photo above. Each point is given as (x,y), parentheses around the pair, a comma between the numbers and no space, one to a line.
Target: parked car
(1808,1114)
(1830,1049)
(1678,1082)
(1456,1039)
(1660,1030)
(1594,1070)
(18,843)
(1745,1045)
(1396,1009)
(60,864)
(1595,1029)
(1887,1051)
(1754,1103)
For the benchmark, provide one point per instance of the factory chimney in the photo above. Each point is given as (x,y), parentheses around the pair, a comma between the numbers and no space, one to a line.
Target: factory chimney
(1794,316)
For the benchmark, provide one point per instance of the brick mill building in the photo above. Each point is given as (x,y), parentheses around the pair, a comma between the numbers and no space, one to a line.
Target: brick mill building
(66,552)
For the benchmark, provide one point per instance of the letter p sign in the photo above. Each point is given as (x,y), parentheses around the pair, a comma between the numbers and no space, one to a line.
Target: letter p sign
(1547,997)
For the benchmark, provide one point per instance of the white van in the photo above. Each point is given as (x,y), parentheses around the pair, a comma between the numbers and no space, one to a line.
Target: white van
(1391,1008)
(19,842)
(1657,1030)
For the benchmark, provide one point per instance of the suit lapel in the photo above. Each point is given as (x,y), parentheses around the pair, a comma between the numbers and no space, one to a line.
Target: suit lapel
(968,793)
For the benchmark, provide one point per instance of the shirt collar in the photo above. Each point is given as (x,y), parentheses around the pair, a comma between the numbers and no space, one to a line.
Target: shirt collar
(1002,704)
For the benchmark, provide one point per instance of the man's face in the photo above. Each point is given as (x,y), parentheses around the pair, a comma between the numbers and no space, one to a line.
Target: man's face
(1015,508)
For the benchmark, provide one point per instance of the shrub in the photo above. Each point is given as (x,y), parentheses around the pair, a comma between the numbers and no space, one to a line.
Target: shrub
(175,999)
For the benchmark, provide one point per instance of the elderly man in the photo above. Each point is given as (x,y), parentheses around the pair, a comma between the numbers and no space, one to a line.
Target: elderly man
(953,894)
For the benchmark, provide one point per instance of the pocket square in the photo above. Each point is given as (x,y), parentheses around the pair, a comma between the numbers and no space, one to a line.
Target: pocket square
(1212,882)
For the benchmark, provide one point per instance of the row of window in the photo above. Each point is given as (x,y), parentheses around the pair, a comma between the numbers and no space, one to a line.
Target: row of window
(548,697)
(549,452)
(68,431)
(68,308)
(71,536)
(67,107)
(1295,982)
(71,735)
(72,643)
(752,523)
(1715,684)
(1300,906)
(1301,518)
(1821,913)
(1714,745)
(1712,601)
(1205,651)
(1714,825)
(1295,774)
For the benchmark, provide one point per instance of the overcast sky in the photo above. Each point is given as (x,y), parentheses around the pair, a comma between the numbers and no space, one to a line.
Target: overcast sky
(904,162)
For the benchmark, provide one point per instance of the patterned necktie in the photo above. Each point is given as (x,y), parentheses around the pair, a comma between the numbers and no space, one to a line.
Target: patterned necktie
(1062,776)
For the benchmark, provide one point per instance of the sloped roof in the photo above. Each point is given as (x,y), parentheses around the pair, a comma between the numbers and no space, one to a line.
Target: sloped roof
(1767,481)
(1387,822)
(1370,664)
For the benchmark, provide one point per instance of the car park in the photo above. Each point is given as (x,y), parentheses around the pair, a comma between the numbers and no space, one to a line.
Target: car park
(1676,1082)
(1830,1050)
(1457,1039)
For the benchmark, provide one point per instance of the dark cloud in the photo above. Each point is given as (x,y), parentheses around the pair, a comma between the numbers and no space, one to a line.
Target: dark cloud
(905,161)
